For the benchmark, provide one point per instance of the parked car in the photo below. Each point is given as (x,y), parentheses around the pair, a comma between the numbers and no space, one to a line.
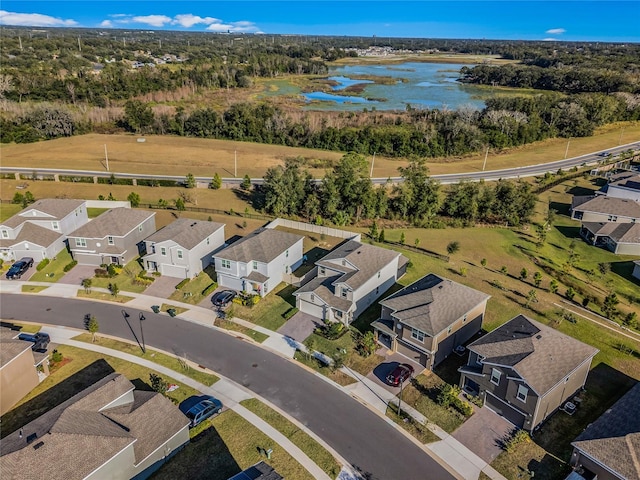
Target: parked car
(400,374)
(204,409)
(18,268)
(223,298)
(40,340)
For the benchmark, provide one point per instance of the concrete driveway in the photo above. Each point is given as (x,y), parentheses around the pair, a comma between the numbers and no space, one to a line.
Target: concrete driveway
(483,433)
(391,361)
(77,274)
(300,326)
(163,286)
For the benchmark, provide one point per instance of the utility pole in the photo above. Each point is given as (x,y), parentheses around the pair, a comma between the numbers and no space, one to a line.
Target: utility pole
(372,162)
(235,163)
(20,42)
(566,152)
(106,157)
(79,46)
(484,164)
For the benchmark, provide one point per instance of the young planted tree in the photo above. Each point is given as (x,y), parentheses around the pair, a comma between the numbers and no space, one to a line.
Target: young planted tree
(216,182)
(246,183)
(537,279)
(190,181)
(483,262)
(523,274)
(610,305)
(453,247)
(134,199)
(86,284)
(93,327)
(553,286)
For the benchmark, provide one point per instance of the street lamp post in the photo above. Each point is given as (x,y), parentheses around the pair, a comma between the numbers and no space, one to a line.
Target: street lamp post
(142,319)
(400,398)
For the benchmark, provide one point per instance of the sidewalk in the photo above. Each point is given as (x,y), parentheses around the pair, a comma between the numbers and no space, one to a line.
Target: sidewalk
(466,463)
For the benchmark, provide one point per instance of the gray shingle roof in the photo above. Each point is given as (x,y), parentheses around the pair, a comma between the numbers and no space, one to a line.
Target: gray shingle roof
(627,180)
(610,206)
(432,303)
(116,222)
(256,276)
(33,233)
(618,232)
(186,232)
(541,355)
(614,438)
(323,288)
(10,349)
(365,259)
(46,209)
(80,435)
(262,245)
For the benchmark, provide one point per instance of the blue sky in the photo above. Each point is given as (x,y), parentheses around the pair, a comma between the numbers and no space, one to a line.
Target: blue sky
(615,21)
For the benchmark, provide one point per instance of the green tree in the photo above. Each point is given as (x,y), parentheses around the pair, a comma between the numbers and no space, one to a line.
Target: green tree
(402,238)
(523,274)
(93,327)
(610,305)
(570,293)
(18,198)
(604,268)
(111,197)
(532,297)
(504,270)
(417,197)
(483,262)
(179,202)
(553,286)
(134,199)
(29,198)
(453,247)
(86,284)
(190,181)
(138,116)
(373,231)
(537,279)
(216,181)
(381,236)
(416,242)
(114,289)
(158,383)
(631,320)
(246,183)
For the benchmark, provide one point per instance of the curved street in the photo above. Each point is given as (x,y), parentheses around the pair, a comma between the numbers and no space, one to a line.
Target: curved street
(370,444)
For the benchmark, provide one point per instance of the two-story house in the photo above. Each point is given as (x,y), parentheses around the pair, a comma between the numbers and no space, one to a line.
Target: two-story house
(109,430)
(525,370)
(39,231)
(428,319)
(601,208)
(349,279)
(623,185)
(258,262)
(116,236)
(183,248)
(609,448)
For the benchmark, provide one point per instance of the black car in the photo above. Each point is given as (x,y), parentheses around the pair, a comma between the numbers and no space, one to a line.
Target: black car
(223,298)
(40,340)
(18,268)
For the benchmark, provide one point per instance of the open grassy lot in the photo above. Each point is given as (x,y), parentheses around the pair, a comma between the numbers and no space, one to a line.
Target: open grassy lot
(179,364)
(8,210)
(316,452)
(79,369)
(54,271)
(228,446)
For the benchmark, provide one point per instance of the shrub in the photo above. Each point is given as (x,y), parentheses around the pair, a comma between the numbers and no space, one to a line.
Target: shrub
(517,437)
(42,264)
(70,265)
(56,356)
(209,289)
(182,283)
(158,383)
(101,273)
(156,274)
(366,344)
(111,270)
(290,313)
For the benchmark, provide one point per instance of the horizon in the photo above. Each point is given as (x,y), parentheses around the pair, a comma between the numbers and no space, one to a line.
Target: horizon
(596,21)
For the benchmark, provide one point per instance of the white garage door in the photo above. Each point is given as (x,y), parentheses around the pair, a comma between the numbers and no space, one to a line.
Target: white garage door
(37,255)
(177,271)
(312,309)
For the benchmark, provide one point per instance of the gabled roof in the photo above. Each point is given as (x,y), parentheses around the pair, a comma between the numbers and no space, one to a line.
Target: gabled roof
(116,222)
(186,232)
(541,355)
(608,206)
(614,438)
(358,261)
(432,303)
(45,209)
(33,233)
(80,435)
(618,232)
(10,346)
(322,287)
(629,180)
(262,245)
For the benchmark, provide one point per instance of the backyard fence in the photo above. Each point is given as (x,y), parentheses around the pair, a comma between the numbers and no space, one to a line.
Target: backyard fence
(319,229)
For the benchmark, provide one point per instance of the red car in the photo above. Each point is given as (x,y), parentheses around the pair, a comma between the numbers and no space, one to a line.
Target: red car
(400,374)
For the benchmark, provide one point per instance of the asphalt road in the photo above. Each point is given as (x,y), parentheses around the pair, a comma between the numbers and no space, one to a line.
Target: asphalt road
(489,175)
(359,435)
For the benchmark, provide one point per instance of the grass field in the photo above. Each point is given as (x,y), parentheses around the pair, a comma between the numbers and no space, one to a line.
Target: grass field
(204,157)
(54,271)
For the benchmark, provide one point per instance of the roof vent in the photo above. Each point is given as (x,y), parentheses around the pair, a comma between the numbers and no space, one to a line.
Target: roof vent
(538,337)
(38,445)
(194,224)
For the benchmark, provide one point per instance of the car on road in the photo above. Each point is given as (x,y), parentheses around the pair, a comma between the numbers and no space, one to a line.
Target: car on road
(400,374)
(223,298)
(40,340)
(18,268)
(204,409)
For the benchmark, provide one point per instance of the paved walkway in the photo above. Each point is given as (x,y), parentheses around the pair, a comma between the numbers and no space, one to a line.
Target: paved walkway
(448,449)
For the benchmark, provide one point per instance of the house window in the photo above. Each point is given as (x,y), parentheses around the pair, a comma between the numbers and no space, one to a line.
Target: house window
(522,393)
(110,240)
(495,376)
(208,240)
(163,251)
(81,242)
(449,330)
(179,253)
(377,290)
(322,271)
(479,359)
(55,225)
(255,265)
(226,263)
(5,234)
(378,274)
(140,227)
(266,287)
(566,380)
(344,292)
(287,254)
(613,218)
(313,298)
(417,334)
(338,314)
(464,319)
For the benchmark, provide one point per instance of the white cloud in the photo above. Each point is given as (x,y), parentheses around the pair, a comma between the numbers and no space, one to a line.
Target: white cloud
(555,31)
(242,26)
(106,24)
(118,15)
(188,20)
(549,39)
(153,20)
(33,20)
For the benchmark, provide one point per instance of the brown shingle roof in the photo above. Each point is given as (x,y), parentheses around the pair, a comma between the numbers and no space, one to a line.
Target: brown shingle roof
(186,232)
(610,206)
(33,233)
(618,232)
(262,245)
(10,349)
(614,438)
(116,222)
(432,303)
(541,355)
(45,209)
(323,288)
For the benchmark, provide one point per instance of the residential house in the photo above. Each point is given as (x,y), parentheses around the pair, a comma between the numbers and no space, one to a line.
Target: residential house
(609,448)
(19,367)
(623,185)
(602,208)
(259,261)
(109,430)
(183,248)
(349,279)
(115,236)
(636,269)
(525,370)
(39,230)
(428,319)
(620,238)
(259,471)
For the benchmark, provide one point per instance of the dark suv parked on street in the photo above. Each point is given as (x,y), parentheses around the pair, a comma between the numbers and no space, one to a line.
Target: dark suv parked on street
(18,268)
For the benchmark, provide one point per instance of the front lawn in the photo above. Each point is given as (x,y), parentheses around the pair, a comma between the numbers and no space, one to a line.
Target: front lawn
(126,279)
(236,327)
(107,297)
(269,310)
(192,291)
(315,364)
(419,431)
(33,288)
(54,271)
